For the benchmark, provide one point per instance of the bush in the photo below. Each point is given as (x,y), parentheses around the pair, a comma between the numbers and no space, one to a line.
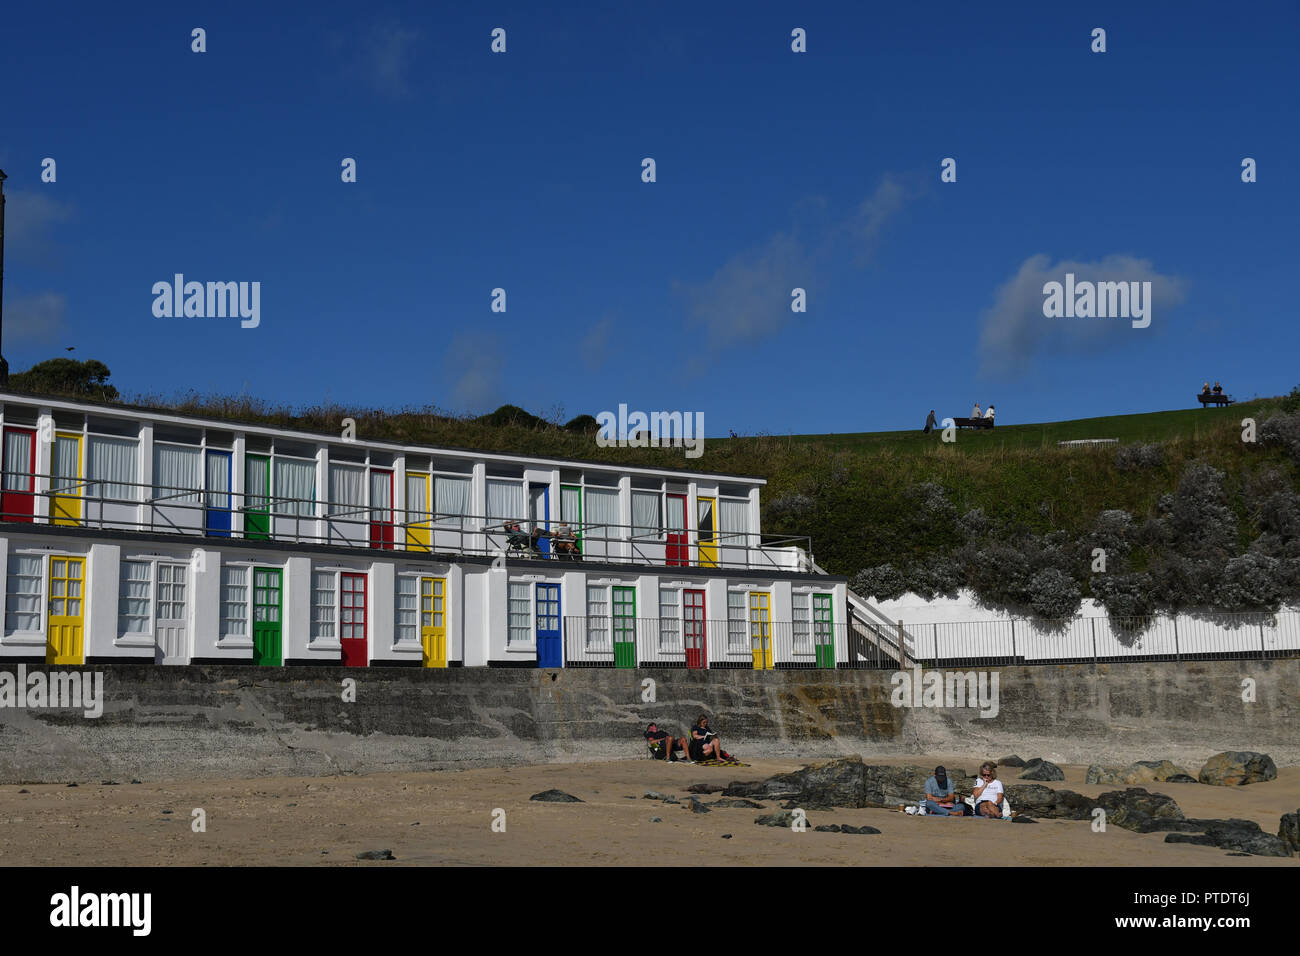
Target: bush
(1124,595)
(789,506)
(1282,431)
(1250,583)
(1053,594)
(1291,403)
(1139,457)
(881,583)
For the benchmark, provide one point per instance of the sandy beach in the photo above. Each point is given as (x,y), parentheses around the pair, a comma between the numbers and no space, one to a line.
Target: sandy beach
(445,818)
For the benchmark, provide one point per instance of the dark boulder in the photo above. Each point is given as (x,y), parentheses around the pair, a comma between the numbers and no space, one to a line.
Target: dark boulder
(376,855)
(1241,836)
(1012,761)
(1139,810)
(848,829)
(827,828)
(1236,768)
(1039,769)
(554,796)
(705,788)
(1049,804)
(846,782)
(736,803)
(1289,830)
(783,819)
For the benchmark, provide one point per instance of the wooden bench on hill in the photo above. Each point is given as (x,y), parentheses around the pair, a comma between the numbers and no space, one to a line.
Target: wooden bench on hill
(1214,398)
(973,422)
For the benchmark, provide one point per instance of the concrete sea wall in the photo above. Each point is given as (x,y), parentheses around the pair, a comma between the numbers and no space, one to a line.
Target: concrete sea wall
(233,721)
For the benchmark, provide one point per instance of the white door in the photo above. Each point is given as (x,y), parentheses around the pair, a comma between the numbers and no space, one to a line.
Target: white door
(171,630)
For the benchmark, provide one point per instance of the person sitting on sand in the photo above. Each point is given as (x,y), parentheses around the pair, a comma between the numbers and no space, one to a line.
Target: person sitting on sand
(941,795)
(988,792)
(663,745)
(704,743)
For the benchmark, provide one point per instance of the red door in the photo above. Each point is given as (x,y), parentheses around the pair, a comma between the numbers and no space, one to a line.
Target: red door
(17,503)
(693,622)
(381,509)
(678,551)
(352,619)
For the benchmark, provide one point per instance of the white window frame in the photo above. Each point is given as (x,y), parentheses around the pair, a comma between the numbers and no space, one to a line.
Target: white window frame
(43,602)
(678,630)
(414,579)
(235,640)
(738,638)
(149,632)
(324,640)
(531,643)
(801,624)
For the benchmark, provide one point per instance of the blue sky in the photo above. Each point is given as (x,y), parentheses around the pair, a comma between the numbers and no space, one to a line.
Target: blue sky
(775,170)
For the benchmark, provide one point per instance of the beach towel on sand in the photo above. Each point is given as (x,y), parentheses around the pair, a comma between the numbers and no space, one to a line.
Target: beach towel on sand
(733,762)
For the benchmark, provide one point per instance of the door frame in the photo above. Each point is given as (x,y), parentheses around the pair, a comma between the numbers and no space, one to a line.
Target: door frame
(677,550)
(823,651)
(186,580)
(251,526)
(558,635)
(702,653)
(73,515)
(26,512)
(419,534)
(543,543)
(625,651)
(577,523)
(706,552)
(78,655)
(253,622)
(761,602)
(429,641)
(220,527)
(381,532)
(348,645)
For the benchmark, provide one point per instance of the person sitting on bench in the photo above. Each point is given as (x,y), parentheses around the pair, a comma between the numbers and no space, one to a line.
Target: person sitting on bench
(663,745)
(1205,389)
(975,412)
(564,540)
(989,413)
(1218,389)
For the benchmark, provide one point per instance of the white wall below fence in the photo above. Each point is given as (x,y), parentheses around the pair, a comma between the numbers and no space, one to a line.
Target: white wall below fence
(960,628)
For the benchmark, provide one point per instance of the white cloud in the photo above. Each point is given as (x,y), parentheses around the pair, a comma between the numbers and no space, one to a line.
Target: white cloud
(475,361)
(1014,331)
(35,319)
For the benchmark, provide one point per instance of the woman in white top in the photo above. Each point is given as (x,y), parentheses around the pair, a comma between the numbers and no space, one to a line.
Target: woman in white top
(988,792)
(989,413)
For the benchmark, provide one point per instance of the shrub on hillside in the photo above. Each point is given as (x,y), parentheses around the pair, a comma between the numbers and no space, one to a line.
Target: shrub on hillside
(1249,582)
(1114,531)
(881,583)
(1291,403)
(974,525)
(1124,595)
(1196,521)
(1053,594)
(1282,431)
(789,507)
(1139,457)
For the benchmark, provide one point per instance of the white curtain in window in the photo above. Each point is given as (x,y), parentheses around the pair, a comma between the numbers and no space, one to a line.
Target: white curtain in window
(451,497)
(676,513)
(417,498)
(347,490)
(295,479)
(23,590)
(67,449)
(645,514)
(257,485)
(18,461)
(133,597)
(602,512)
(112,467)
(571,505)
(733,522)
(381,495)
(505,499)
(218,481)
(176,467)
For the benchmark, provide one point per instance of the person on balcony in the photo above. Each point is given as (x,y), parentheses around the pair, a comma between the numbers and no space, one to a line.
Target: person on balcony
(564,541)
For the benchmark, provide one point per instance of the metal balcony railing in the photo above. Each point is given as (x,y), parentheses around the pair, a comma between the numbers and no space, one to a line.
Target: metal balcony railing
(160,509)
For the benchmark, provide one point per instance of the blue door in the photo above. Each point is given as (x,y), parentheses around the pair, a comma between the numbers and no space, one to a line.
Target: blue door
(548,626)
(541,514)
(217,495)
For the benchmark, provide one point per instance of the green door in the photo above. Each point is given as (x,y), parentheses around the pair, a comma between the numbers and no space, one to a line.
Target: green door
(823,630)
(266,617)
(624,611)
(257,497)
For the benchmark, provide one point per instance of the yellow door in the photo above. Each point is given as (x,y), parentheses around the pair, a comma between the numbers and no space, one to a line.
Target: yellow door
(418,536)
(65,506)
(706,526)
(760,629)
(65,643)
(433,621)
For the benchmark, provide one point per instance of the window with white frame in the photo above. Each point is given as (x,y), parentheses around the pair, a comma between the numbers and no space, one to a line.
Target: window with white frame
(112,468)
(347,491)
(801,608)
(601,517)
(176,470)
(23,593)
(670,625)
(733,522)
(234,601)
(521,614)
(295,485)
(134,593)
(597,617)
(646,521)
(505,500)
(451,498)
(737,619)
(171,592)
(406,621)
(323,604)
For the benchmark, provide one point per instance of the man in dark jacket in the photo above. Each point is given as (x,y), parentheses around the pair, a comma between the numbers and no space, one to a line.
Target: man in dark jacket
(931,422)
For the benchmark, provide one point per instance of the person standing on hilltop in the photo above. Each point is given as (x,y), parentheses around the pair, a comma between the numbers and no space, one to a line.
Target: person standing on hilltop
(930,423)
